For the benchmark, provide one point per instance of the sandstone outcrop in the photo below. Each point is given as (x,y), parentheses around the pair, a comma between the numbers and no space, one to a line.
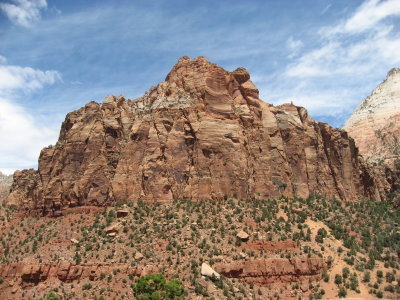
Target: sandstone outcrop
(243,236)
(32,274)
(5,184)
(201,134)
(375,127)
(207,271)
(272,269)
(5,180)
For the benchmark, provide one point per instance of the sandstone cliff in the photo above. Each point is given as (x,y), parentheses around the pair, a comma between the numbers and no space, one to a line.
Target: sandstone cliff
(375,127)
(203,133)
(5,184)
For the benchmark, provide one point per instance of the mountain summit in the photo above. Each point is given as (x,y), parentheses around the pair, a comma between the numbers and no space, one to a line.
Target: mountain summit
(375,127)
(201,134)
(375,124)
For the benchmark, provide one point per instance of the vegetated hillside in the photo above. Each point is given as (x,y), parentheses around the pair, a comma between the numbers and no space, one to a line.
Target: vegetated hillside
(201,134)
(256,249)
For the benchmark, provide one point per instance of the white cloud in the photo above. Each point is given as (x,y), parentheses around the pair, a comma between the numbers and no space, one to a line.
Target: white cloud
(25,78)
(294,46)
(3,60)
(353,55)
(23,12)
(326,8)
(22,135)
(366,17)
(313,63)
(343,58)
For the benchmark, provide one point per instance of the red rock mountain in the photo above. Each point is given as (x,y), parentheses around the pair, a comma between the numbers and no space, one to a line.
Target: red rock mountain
(202,134)
(375,124)
(375,127)
(5,184)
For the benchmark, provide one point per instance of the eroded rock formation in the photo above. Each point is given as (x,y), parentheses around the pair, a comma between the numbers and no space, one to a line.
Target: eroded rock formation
(5,184)
(203,133)
(375,127)
(272,269)
(28,274)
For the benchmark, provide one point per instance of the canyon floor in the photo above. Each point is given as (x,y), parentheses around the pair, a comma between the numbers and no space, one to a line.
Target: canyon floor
(263,249)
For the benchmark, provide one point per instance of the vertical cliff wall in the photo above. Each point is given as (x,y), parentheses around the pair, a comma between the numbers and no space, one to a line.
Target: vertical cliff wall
(202,134)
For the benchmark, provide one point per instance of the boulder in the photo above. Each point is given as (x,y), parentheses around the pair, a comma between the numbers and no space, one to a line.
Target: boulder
(113,229)
(209,272)
(138,256)
(243,236)
(121,213)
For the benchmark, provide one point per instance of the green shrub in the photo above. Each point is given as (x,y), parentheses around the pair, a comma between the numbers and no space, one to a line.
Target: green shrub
(53,296)
(342,292)
(155,287)
(367,277)
(321,234)
(87,286)
(345,272)
(338,279)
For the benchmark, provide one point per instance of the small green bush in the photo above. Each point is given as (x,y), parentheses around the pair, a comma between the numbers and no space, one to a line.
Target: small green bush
(87,286)
(155,287)
(51,296)
(338,279)
(342,292)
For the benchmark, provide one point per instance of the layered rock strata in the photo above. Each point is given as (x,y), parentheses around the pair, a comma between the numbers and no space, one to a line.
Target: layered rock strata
(201,134)
(375,127)
(375,124)
(273,269)
(5,184)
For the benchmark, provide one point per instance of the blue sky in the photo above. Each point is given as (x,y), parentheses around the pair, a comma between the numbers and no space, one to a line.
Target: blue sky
(55,56)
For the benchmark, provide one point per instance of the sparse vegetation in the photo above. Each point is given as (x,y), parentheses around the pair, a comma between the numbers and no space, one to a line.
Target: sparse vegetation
(178,237)
(154,286)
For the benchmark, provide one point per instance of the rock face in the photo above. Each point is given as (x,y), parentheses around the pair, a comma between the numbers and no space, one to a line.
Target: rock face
(272,269)
(32,274)
(5,179)
(375,127)
(206,270)
(202,134)
(375,124)
(5,184)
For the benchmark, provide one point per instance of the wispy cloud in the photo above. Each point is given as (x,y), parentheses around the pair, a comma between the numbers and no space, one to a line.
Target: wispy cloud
(294,46)
(26,79)
(23,12)
(350,54)
(369,14)
(326,8)
(22,135)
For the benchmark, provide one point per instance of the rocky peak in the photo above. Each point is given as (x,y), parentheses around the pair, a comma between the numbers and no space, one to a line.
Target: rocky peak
(201,134)
(5,179)
(198,83)
(375,127)
(393,72)
(377,118)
